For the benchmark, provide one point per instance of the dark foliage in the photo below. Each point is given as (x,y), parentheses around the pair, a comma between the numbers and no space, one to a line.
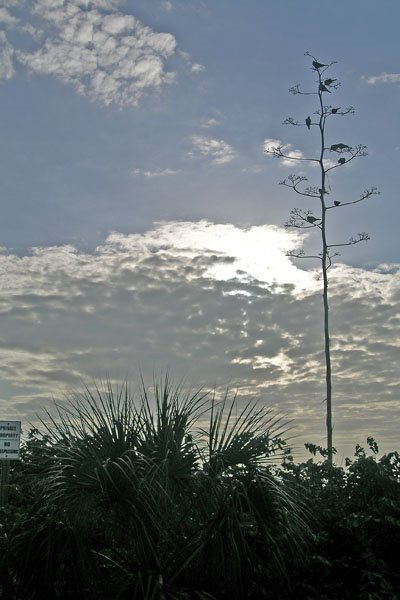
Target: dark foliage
(117,501)
(356,525)
(113,502)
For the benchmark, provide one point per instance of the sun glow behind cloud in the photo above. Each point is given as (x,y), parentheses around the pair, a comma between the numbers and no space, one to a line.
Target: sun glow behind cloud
(257,252)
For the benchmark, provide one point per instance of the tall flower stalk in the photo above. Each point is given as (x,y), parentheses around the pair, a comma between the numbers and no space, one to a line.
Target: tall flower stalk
(328,157)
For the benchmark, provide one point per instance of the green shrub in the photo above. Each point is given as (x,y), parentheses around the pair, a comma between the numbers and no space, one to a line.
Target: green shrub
(356,524)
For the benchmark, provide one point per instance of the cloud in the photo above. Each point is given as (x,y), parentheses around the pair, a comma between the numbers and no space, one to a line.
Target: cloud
(218,150)
(106,55)
(194,67)
(151,174)
(382,78)
(217,304)
(270,144)
(273,146)
(6,17)
(198,68)
(167,6)
(212,122)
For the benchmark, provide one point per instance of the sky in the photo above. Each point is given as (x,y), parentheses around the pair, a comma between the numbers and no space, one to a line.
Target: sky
(143,224)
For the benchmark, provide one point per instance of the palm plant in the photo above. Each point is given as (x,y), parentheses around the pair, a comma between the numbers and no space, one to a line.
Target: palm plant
(252,524)
(145,501)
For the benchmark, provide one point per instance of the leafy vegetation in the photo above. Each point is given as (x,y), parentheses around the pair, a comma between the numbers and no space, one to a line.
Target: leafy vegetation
(171,498)
(179,497)
(356,525)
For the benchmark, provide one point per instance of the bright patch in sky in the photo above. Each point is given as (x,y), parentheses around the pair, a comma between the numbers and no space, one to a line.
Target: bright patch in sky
(257,252)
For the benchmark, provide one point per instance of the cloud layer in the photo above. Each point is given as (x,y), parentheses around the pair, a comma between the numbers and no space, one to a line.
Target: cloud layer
(217,304)
(106,55)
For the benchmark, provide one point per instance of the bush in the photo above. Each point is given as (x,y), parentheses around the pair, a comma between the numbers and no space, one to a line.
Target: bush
(356,525)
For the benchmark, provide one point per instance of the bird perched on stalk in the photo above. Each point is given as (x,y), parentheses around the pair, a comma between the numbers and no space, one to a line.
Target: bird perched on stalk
(323,88)
(334,110)
(311,219)
(339,147)
(308,122)
(336,203)
(318,65)
(342,160)
(329,81)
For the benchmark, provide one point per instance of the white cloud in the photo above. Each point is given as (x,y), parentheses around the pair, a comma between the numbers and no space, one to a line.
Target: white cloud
(29,29)
(110,57)
(194,67)
(197,68)
(6,17)
(212,122)
(151,174)
(218,150)
(271,143)
(382,78)
(271,146)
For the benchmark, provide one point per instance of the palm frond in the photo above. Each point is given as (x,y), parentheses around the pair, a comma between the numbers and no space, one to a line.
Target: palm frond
(250,438)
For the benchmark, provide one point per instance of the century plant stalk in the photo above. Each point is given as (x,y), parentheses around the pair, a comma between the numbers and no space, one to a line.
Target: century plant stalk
(305,219)
(324,267)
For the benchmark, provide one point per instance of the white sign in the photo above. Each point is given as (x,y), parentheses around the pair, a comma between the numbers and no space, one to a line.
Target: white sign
(10,433)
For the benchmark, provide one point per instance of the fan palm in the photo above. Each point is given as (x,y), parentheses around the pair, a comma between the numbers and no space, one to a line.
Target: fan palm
(145,501)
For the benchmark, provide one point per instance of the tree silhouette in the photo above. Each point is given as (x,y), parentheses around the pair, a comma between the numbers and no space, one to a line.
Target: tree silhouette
(331,157)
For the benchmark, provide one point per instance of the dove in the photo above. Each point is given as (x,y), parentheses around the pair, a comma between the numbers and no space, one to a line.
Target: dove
(318,65)
(336,203)
(311,219)
(323,88)
(338,147)
(308,122)
(342,160)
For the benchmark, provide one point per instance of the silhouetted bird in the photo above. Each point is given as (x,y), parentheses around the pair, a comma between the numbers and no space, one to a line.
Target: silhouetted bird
(311,219)
(336,147)
(322,191)
(336,203)
(329,81)
(308,122)
(318,65)
(323,88)
(334,110)
(342,160)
